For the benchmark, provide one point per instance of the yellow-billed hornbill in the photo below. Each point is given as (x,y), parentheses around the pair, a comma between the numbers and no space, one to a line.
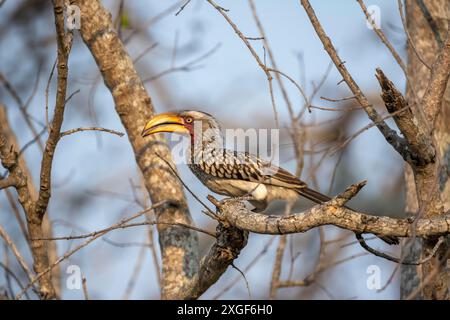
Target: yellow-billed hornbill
(232,173)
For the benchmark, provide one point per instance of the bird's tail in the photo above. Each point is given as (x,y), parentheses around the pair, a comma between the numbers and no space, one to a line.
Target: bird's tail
(320,198)
(313,195)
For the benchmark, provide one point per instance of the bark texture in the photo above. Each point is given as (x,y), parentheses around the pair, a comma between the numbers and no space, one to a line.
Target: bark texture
(27,194)
(235,213)
(230,241)
(428,186)
(179,246)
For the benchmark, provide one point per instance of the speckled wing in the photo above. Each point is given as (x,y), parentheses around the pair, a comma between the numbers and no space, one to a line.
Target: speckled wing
(244,166)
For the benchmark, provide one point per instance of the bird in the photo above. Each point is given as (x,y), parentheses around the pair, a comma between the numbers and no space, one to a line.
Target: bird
(232,173)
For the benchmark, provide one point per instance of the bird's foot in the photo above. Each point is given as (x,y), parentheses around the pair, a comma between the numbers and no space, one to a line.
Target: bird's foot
(243,198)
(257,210)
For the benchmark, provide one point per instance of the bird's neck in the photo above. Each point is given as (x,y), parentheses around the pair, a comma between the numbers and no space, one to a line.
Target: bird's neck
(204,143)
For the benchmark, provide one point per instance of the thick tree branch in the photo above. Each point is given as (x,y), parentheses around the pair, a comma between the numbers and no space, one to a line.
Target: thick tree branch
(179,247)
(420,141)
(440,72)
(230,241)
(331,213)
(427,187)
(26,196)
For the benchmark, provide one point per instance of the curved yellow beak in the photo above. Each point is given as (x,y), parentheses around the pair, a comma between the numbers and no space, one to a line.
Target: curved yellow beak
(165,122)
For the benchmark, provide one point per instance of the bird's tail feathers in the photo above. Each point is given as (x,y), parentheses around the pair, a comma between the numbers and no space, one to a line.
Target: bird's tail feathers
(313,195)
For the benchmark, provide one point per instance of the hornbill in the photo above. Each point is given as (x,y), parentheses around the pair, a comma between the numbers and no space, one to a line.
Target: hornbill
(232,173)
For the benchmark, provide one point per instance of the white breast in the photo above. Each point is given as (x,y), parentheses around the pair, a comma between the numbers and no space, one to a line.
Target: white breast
(237,188)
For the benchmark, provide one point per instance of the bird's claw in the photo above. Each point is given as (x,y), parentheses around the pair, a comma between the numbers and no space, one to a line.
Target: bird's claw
(243,198)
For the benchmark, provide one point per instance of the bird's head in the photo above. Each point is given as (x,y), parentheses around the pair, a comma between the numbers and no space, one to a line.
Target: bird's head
(187,122)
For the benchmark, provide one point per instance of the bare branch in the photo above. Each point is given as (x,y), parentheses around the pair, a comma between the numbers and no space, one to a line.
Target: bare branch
(440,72)
(398,143)
(330,213)
(47,90)
(408,35)
(182,7)
(230,241)
(26,195)
(22,107)
(338,100)
(68,132)
(188,66)
(9,181)
(64,42)
(311,278)
(253,53)
(130,225)
(363,244)
(179,246)
(84,244)
(16,253)
(382,37)
(253,262)
(421,145)
(85,290)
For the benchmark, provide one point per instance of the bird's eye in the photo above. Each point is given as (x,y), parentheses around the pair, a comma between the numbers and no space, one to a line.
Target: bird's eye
(188,120)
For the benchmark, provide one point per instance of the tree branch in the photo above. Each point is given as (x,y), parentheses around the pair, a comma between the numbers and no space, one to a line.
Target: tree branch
(422,148)
(72,131)
(64,42)
(230,241)
(440,72)
(179,246)
(123,221)
(236,214)
(16,253)
(397,142)
(26,196)
(9,181)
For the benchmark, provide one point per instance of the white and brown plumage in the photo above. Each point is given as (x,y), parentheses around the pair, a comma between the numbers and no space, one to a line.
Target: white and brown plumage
(232,173)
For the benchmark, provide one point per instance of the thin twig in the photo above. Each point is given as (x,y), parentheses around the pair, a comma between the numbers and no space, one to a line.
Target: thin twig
(408,36)
(382,37)
(186,67)
(16,253)
(144,52)
(14,276)
(47,89)
(130,225)
(260,63)
(135,273)
(252,263)
(84,244)
(399,260)
(306,282)
(208,211)
(68,132)
(339,99)
(85,290)
(390,135)
(182,7)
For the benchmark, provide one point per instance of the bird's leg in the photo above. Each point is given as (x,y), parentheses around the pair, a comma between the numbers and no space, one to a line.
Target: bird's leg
(243,198)
(259,206)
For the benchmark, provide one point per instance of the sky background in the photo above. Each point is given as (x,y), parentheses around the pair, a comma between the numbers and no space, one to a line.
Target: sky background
(92,171)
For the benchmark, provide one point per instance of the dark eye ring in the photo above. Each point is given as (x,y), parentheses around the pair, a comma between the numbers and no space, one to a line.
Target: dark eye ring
(189,120)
